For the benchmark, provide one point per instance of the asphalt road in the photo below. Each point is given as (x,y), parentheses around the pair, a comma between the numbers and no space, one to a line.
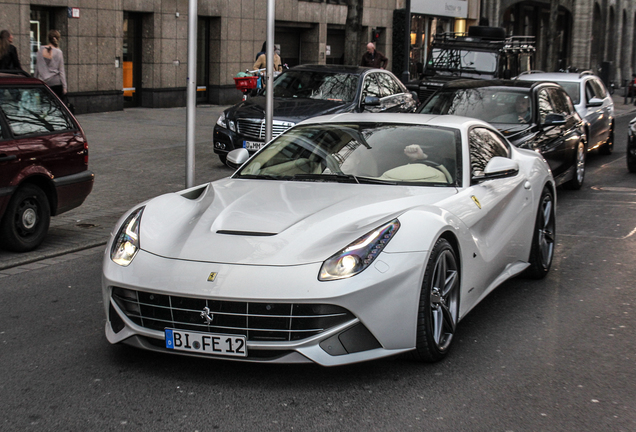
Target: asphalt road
(551,355)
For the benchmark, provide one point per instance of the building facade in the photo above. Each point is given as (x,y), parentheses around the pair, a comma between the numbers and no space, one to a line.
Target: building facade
(121,53)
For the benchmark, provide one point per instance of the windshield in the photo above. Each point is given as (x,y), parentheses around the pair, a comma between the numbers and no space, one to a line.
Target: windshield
(360,153)
(338,87)
(494,105)
(573,89)
(457,59)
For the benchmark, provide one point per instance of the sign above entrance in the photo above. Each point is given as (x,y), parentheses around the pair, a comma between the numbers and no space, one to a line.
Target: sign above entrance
(444,8)
(73,12)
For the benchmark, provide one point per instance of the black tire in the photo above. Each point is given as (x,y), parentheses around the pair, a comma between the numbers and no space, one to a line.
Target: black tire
(26,219)
(631,156)
(543,238)
(438,311)
(579,167)
(608,147)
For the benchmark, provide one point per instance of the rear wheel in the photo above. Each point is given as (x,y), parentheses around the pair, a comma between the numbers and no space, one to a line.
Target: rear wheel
(631,156)
(26,220)
(579,167)
(438,311)
(608,147)
(543,238)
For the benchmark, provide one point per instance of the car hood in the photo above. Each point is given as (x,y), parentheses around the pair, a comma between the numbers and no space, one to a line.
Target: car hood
(265,222)
(288,109)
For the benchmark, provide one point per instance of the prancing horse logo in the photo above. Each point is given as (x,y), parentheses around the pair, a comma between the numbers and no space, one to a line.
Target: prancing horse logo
(207,316)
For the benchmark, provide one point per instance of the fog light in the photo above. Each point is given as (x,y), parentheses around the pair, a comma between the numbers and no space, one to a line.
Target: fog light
(219,145)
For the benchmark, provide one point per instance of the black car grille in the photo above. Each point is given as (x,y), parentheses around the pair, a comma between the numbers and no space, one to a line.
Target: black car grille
(255,321)
(255,128)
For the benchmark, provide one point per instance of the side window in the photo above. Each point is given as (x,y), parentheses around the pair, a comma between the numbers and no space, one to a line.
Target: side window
(589,91)
(545,104)
(371,87)
(560,102)
(599,89)
(388,84)
(33,111)
(484,145)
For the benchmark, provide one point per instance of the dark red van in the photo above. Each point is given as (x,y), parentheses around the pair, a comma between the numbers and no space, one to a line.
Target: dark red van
(43,161)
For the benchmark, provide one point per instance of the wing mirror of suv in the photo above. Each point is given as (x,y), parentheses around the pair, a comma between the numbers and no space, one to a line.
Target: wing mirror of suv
(237,157)
(498,167)
(595,102)
(554,120)
(371,101)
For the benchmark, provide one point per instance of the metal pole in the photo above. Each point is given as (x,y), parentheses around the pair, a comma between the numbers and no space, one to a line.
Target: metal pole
(191,92)
(406,75)
(269,70)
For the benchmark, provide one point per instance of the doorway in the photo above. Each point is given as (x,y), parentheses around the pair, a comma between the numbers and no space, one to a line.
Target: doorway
(132,59)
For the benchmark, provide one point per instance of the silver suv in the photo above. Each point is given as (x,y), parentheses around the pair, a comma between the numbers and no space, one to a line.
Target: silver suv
(591,100)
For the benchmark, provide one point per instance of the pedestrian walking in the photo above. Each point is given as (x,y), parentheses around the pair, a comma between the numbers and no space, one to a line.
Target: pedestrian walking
(50,66)
(261,59)
(9,59)
(374,58)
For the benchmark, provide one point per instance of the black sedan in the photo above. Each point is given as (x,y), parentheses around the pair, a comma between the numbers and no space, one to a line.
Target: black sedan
(536,116)
(307,91)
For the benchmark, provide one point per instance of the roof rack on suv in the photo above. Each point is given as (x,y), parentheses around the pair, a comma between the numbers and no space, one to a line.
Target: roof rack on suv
(15,72)
(584,73)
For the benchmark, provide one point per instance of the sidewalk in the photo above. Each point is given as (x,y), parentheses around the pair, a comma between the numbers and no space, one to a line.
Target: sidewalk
(137,154)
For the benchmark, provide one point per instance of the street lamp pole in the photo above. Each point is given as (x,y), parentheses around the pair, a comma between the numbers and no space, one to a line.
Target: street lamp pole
(406,75)
(269,70)
(191,92)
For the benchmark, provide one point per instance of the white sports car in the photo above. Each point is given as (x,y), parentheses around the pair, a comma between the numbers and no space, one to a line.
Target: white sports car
(348,238)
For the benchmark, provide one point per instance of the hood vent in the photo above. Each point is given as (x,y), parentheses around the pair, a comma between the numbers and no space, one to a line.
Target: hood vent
(246,233)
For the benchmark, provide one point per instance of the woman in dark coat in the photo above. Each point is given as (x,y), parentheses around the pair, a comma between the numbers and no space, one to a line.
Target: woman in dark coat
(8,54)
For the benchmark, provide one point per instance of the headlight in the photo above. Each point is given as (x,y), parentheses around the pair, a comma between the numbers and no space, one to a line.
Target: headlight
(126,242)
(223,121)
(358,255)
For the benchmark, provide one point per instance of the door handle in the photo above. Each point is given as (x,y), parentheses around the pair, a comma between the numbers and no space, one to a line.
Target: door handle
(5,158)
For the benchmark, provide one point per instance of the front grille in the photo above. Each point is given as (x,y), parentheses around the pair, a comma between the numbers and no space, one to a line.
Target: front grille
(255,128)
(255,321)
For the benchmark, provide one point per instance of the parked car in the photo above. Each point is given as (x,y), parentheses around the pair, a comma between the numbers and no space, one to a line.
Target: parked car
(548,123)
(591,100)
(631,146)
(348,238)
(307,91)
(43,161)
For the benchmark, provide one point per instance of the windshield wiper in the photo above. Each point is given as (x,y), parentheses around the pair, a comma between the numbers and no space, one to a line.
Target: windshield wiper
(260,177)
(338,178)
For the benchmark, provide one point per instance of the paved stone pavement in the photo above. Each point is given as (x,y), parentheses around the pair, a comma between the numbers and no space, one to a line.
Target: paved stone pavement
(136,154)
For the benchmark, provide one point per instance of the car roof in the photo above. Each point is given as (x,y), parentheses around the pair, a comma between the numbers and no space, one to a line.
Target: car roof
(474,83)
(16,78)
(556,76)
(451,121)
(356,70)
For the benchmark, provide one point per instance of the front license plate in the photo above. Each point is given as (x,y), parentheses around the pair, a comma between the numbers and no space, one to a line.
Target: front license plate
(206,343)
(253,145)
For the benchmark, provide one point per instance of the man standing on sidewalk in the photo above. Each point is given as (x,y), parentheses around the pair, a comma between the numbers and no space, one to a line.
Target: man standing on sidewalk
(374,58)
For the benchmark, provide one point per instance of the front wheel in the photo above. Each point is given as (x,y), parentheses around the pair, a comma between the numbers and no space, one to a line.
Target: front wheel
(543,238)
(26,220)
(579,167)
(438,311)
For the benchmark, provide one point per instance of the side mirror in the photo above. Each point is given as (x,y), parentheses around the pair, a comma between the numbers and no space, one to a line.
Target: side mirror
(237,157)
(371,101)
(498,167)
(554,120)
(594,102)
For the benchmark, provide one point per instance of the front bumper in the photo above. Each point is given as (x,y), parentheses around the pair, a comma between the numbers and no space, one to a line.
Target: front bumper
(226,140)
(381,305)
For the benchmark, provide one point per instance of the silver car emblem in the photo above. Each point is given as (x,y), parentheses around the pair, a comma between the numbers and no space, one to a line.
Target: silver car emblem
(207,316)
